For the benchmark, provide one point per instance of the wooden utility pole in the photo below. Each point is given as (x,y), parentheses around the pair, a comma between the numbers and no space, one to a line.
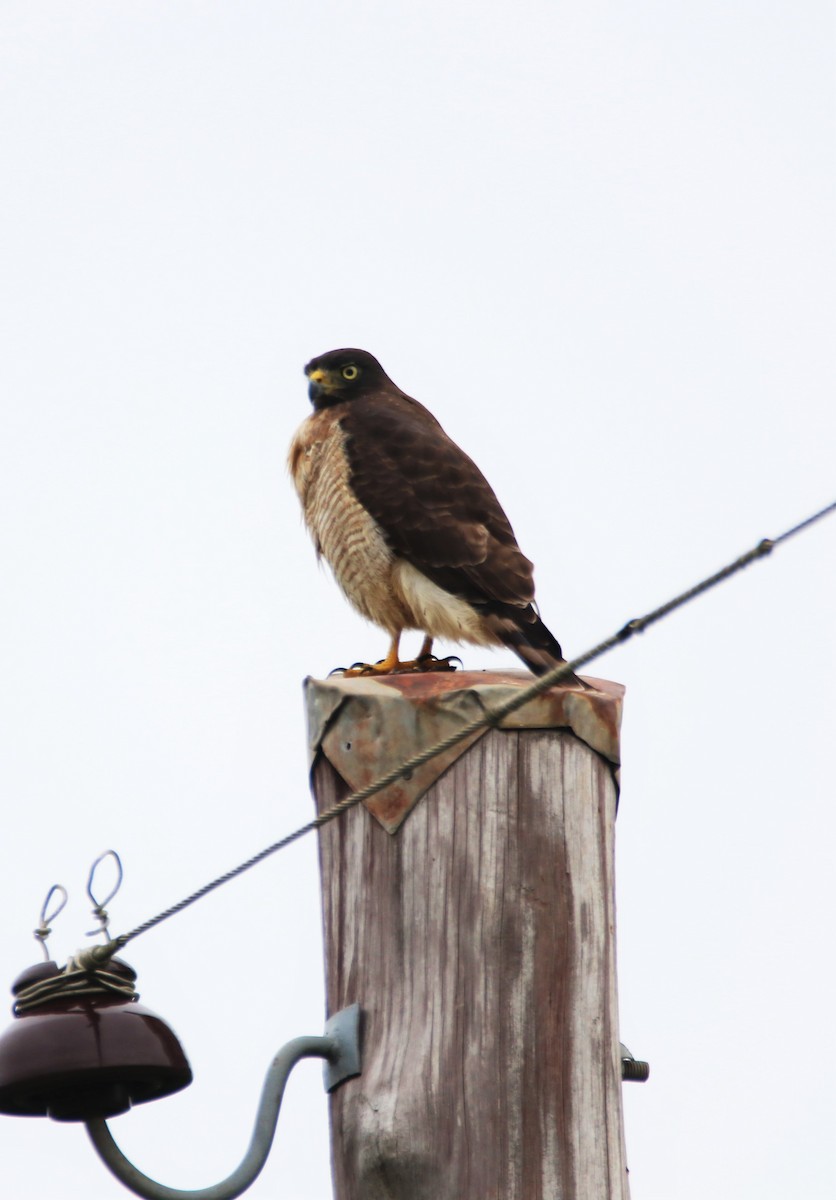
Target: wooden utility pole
(469,911)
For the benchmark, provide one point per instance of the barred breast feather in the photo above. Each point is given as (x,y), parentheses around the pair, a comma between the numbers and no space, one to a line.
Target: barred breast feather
(346,536)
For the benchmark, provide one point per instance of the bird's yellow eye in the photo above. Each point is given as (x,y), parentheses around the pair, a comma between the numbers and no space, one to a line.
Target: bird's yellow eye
(350,372)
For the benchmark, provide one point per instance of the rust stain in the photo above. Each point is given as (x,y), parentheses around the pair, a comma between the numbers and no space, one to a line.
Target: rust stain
(366,727)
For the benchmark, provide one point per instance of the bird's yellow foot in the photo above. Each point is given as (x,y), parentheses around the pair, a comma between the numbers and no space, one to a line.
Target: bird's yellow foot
(415,666)
(361,669)
(392,665)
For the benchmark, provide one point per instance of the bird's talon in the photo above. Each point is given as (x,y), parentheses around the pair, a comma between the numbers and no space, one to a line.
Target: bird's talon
(355,671)
(429,662)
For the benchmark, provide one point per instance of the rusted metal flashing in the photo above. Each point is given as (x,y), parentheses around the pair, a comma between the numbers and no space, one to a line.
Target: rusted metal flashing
(366,727)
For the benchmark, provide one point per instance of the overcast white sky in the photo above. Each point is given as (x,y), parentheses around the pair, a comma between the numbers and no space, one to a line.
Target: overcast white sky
(598,241)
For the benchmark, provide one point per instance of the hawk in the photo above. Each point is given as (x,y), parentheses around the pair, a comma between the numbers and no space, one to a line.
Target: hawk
(408,523)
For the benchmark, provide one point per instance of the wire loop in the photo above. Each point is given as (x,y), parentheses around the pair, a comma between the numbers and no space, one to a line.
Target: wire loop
(44,928)
(99,909)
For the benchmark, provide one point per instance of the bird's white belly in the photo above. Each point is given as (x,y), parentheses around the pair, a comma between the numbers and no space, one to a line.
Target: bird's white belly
(435,611)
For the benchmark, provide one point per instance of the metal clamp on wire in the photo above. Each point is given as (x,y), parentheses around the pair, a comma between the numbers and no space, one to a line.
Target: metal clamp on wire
(340,1047)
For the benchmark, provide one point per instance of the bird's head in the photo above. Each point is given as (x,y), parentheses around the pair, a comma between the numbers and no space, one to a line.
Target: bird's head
(343,375)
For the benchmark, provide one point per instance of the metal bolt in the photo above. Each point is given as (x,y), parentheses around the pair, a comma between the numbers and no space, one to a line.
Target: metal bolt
(633,1068)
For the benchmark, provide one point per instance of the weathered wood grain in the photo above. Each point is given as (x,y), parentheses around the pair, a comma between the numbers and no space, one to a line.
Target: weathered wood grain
(479,941)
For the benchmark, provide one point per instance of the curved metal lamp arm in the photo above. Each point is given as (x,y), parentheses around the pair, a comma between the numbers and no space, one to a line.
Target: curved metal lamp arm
(340,1047)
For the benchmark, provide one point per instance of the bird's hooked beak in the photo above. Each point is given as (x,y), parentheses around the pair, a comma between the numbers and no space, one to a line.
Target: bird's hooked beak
(316,382)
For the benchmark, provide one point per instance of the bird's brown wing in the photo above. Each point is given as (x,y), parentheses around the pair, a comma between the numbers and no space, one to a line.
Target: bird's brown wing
(433,504)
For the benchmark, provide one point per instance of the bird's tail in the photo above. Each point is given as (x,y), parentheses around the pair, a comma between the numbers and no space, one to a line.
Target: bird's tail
(525,634)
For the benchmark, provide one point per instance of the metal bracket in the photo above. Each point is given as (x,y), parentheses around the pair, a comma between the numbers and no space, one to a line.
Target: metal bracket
(340,1047)
(344,1030)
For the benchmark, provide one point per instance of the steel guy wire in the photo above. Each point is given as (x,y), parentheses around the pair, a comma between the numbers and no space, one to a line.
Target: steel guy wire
(490,718)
